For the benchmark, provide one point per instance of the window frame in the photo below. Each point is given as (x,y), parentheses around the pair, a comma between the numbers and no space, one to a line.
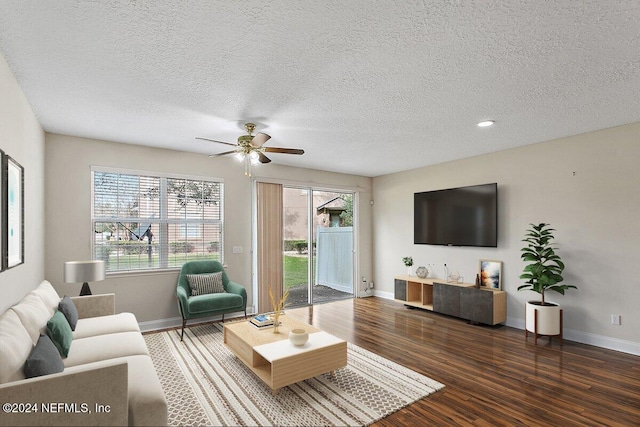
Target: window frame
(164,219)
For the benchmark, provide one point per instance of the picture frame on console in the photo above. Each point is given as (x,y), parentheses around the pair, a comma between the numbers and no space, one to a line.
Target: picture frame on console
(491,274)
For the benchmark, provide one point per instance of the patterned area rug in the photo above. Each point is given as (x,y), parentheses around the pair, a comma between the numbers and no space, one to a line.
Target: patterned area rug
(206,384)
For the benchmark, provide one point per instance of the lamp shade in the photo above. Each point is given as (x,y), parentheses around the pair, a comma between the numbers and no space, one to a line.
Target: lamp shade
(84,271)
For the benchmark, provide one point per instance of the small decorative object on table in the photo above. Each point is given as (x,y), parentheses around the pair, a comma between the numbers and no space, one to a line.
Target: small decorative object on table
(408,262)
(298,336)
(277,306)
(454,277)
(477,281)
(422,272)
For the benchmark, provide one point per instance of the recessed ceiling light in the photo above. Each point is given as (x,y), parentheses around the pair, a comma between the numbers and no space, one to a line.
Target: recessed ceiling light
(486,123)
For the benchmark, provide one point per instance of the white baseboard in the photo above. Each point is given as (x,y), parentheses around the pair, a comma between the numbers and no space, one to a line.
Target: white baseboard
(610,343)
(588,338)
(382,294)
(155,325)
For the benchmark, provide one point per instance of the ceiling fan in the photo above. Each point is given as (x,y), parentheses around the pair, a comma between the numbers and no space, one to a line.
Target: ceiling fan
(250,148)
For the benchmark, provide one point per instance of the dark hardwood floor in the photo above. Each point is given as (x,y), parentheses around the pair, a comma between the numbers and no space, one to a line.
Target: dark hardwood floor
(492,375)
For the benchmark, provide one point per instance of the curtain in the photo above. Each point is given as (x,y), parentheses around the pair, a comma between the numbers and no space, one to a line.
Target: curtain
(269,245)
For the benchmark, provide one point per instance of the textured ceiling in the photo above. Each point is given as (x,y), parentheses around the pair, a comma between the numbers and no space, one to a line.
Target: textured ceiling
(363,87)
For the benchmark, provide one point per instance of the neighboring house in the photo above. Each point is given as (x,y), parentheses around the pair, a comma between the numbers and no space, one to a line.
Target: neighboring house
(329,212)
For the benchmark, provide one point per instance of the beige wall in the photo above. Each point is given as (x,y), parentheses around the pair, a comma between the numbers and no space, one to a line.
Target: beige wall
(22,138)
(151,295)
(585,186)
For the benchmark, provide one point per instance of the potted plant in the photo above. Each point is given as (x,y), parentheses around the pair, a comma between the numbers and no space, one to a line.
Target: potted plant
(408,262)
(542,274)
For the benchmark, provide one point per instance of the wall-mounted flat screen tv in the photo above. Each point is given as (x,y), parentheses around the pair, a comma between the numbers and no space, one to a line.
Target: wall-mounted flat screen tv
(465,216)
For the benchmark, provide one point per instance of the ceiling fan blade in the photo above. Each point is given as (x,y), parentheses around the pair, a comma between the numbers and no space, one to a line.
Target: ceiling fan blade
(260,139)
(262,158)
(284,150)
(222,154)
(220,142)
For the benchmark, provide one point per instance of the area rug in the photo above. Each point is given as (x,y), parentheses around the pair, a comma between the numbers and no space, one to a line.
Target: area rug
(206,384)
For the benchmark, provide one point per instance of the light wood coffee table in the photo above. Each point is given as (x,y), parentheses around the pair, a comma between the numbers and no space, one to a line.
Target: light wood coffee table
(275,360)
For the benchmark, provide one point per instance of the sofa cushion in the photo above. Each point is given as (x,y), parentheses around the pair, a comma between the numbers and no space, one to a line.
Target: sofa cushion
(102,325)
(105,347)
(15,346)
(44,359)
(48,295)
(33,315)
(68,308)
(60,333)
(202,284)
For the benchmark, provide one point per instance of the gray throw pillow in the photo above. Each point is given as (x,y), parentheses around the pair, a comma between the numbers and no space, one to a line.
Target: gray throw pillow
(44,359)
(201,284)
(68,308)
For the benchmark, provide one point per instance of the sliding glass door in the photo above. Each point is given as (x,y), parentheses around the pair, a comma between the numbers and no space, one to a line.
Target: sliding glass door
(318,248)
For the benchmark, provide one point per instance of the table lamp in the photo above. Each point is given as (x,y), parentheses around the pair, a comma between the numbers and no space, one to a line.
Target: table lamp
(84,271)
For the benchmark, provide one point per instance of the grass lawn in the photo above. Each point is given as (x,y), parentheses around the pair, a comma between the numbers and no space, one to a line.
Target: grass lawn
(295,270)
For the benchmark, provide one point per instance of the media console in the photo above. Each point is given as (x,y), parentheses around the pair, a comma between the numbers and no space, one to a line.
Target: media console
(464,300)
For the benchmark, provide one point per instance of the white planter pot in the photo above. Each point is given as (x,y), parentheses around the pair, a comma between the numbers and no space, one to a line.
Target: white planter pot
(548,317)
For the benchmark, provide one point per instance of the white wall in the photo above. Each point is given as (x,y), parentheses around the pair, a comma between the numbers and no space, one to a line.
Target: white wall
(22,138)
(585,186)
(151,296)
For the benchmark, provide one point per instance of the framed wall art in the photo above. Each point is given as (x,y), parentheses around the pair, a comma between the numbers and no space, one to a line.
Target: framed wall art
(491,274)
(13,213)
(3,264)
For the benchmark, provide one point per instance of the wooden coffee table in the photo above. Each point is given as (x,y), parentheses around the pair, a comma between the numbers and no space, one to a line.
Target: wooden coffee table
(275,360)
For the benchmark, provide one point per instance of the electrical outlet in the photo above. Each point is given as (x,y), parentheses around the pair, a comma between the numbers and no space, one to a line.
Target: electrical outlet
(370,285)
(237,249)
(615,319)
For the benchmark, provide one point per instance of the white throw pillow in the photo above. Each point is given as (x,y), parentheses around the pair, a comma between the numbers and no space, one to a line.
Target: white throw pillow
(48,295)
(15,346)
(33,315)
(201,284)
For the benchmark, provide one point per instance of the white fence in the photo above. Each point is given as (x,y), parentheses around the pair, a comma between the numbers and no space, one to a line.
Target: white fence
(334,262)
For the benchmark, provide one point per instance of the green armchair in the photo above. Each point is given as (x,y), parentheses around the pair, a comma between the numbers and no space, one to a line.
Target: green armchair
(234,298)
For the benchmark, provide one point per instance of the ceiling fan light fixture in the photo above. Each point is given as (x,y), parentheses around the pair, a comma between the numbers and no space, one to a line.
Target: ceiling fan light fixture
(250,150)
(486,123)
(254,158)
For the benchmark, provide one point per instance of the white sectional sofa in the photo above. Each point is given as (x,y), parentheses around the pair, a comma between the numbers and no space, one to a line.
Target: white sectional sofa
(108,376)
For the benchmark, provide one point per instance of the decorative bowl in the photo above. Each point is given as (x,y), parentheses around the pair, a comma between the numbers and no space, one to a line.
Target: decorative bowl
(422,272)
(298,336)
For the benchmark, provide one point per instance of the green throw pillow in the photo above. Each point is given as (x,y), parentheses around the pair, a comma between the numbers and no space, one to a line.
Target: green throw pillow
(60,333)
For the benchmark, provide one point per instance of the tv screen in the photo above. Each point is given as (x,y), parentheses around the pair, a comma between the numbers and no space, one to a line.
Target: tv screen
(465,216)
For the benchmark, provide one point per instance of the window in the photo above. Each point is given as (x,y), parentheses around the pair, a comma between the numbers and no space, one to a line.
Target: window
(152,221)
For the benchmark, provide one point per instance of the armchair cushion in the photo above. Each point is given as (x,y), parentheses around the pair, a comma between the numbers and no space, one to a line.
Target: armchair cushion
(201,284)
(222,302)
